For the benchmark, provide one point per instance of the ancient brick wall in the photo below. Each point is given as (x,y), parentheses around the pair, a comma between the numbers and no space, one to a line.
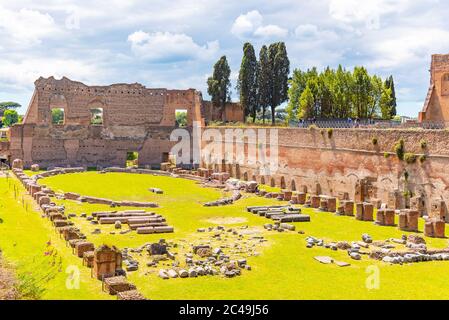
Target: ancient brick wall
(436,105)
(338,163)
(233,110)
(135,118)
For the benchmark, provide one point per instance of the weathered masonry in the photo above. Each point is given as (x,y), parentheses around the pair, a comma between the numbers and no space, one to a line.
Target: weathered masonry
(349,164)
(100,125)
(436,105)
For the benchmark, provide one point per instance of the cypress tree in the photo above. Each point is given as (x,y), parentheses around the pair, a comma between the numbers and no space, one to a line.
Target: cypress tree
(219,85)
(263,81)
(247,81)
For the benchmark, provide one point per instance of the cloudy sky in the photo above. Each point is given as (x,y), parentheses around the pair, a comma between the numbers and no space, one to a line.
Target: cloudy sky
(174,43)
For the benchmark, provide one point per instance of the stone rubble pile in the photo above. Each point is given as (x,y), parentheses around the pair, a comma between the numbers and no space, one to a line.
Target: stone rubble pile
(140,220)
(220,252)
(236,195)
(280,214)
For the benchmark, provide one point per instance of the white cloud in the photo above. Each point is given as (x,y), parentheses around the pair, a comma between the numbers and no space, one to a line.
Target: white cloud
(251,24)
(21,75)
(313,33)
(246,24)
(26,27)
(271,31)
(170,47)
(366,12)
(405,47)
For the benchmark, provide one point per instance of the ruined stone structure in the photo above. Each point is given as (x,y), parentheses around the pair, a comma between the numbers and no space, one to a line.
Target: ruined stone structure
(346,164)
(436,105)
(349,164)
(132,118)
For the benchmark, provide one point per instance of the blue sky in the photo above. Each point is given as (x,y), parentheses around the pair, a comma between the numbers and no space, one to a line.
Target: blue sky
(174,44)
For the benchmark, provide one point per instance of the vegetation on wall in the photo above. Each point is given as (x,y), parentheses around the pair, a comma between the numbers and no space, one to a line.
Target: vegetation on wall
(410,157)
(422,158)
(399,148)
(423,144)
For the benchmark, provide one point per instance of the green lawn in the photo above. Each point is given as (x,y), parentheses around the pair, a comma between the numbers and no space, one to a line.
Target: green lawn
(285,268)
(25,237)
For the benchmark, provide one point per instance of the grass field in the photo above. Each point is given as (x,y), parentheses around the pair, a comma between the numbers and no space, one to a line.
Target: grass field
(284,268)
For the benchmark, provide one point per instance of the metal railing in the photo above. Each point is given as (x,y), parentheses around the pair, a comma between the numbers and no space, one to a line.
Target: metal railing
(368,123)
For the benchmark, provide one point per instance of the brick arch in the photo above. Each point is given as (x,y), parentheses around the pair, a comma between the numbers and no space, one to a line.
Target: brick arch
(245,176)
(262,180)
(293,185)
(272,182)
(282,183)
(253,177)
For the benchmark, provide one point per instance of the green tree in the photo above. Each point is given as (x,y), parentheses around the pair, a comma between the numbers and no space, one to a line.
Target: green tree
(247,81)
(57,116)
(264,81)
(280,69)
(181,118)
(9,105)
(341,91)
(10,117)
(306,104)
(361,90)
(389,83)
(219,85)
(385,103)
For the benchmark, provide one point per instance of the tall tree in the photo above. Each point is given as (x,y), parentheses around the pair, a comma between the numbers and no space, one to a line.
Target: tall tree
(247,82)
(9,105)
(264,81)
(10,117)
(219,85)
(389,83)
(280,67)
(361,88)
(306,104)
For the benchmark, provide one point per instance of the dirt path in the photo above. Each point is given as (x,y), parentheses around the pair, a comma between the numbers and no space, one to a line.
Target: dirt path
(8,290)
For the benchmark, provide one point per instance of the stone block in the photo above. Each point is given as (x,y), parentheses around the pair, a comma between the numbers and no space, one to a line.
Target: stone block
(302,197)
(315,201)
(287,195)
(83,246)
(349,208)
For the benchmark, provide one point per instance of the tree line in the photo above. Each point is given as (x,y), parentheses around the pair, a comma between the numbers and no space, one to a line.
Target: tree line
(340,94)
(261,84)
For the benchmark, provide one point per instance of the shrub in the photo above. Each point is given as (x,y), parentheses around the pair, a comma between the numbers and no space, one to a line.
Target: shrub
(410,157)
(374,141)
(422,158)
(400,149)
(406,175)
(386,155)
(312,127)
(407,193)
(322,132)
(330,131)
(423,144)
